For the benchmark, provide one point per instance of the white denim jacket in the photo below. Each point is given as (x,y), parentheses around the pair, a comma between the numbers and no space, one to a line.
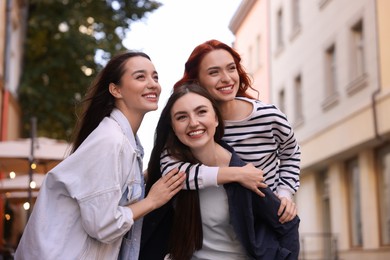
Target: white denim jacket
(79,213)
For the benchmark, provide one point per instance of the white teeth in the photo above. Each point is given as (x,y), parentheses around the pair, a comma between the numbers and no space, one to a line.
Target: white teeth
(225,88)
(196,133)
(151,96)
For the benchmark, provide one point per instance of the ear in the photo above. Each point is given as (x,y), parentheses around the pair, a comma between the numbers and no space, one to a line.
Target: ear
(115,90)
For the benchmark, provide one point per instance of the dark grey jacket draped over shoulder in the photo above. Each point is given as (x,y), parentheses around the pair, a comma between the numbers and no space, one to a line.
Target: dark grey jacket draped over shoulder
(253,218)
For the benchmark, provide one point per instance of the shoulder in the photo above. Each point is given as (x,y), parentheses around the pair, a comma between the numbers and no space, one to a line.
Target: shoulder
(107,136)
(268,110)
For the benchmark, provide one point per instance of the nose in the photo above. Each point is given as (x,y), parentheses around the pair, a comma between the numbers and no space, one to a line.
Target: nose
(152,83)
(225,77)
(194,121)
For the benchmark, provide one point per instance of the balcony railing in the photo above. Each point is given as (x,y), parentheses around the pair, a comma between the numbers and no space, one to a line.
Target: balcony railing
(318,246)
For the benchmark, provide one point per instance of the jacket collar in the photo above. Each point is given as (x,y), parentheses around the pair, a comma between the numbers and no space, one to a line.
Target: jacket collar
(120,118)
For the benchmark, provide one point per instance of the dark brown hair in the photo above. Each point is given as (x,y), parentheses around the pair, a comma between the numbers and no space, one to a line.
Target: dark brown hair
(98,102)
(186,235)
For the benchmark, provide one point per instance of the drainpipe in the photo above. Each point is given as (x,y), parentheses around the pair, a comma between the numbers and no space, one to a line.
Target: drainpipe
(379,75)
(4,115)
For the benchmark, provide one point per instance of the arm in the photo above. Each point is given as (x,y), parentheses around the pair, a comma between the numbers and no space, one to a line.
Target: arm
(199,176)
(289,155)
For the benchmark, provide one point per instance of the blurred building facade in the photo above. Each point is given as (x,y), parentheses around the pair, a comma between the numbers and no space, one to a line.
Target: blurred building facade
(327,72)
(252,43)
(12,34)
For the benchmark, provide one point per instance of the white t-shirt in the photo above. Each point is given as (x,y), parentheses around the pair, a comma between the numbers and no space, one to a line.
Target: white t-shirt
(219,239)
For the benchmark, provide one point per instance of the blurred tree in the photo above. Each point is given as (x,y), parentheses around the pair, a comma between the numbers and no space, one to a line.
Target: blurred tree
(67,43)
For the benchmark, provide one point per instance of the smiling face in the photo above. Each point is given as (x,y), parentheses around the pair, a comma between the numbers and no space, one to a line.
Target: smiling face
(218,74)
(139,89)
(194,121)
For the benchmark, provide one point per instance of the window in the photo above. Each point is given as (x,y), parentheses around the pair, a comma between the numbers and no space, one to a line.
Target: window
(298,99)
(323,3)
(331,96)
(295,15)
(383,165)
(282,101)
(280,32)
(358,49)
(353,180)
(323,189)
(258,51)
(250,60)
(331,71)
(357,59)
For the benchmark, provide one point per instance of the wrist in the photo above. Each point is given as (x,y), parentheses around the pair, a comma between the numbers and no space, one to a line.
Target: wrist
(150,205)
(228,174)
(285,193)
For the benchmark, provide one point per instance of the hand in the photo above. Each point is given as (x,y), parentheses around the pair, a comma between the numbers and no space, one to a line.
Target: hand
(288,208)
(252,178)
(166,187)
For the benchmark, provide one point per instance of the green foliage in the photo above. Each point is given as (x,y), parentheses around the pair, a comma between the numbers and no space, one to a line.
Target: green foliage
(63,37)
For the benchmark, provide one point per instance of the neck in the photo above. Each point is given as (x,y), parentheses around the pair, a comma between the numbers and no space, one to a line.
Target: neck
(235,109)
(135,120)
(212,155)
(228,109)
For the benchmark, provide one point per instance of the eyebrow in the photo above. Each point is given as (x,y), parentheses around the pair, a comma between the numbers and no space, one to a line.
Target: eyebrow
(217,67)
(143,71)
(183,112)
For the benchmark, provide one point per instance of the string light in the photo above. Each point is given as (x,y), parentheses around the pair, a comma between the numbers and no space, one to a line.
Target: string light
(26,206)
(33,184)
(12,175)
(33,166)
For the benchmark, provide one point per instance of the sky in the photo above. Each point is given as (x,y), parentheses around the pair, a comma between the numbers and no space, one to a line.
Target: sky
(168,35)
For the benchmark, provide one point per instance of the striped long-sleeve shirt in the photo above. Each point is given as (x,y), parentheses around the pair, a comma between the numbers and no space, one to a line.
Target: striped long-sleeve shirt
(264,138)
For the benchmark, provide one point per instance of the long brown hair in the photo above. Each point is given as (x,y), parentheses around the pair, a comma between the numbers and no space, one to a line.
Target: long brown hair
(98,102)
(186,236)
(192,66)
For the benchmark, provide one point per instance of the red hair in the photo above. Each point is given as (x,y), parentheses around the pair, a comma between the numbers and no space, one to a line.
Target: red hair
(192,65)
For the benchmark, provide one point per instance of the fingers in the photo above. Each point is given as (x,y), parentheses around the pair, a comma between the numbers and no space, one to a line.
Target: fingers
(258,192)
(170,174)
(166,187)
(282,206)
(176,181)
(287,210)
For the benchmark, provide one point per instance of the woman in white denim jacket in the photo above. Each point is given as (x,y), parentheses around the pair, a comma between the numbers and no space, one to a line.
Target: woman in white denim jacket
(95,197)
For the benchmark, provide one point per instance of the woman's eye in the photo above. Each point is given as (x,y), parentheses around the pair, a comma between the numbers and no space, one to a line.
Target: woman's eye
(202,112)
(232,68)
(140,77)
(180,118)
(213,72)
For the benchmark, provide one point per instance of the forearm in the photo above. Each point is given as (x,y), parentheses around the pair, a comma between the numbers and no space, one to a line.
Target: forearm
(228,175)
(141,208)
(289,168)
(198,176)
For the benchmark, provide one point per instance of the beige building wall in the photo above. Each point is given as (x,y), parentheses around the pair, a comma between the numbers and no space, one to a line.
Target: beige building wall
(336,127)
(383,6)
(340,114)
(251,28)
